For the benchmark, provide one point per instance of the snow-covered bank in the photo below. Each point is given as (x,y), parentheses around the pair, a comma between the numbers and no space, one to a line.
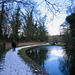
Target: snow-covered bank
(35,67)
(14,65)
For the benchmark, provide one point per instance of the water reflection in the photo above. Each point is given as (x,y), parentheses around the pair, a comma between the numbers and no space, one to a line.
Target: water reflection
(38,55)
(55,60)
(67,63)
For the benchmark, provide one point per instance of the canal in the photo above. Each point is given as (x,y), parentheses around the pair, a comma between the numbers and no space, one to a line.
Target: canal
(55,60)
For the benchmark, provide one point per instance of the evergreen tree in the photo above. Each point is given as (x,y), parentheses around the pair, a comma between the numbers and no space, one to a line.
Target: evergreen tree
(15,24)
(36,32)
(71,20)
(29,26)
(2,12)
(42,33)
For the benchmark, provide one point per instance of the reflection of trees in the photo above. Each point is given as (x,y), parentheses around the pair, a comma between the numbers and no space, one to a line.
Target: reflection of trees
(38,55)
(67,64)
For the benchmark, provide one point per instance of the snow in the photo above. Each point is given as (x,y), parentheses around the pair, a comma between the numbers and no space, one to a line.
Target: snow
(13,64)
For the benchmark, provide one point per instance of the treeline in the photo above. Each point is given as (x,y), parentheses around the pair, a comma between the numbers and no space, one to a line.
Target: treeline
(21,21)
(28,29)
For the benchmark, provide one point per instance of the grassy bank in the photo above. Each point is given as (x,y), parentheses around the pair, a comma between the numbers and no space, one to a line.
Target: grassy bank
(35,68)
(61,44)
(2,55)
(8,45)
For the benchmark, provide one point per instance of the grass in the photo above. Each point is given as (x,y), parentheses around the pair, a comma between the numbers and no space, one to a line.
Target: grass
(36,69)
(2,56)
(3,53)
(61,44)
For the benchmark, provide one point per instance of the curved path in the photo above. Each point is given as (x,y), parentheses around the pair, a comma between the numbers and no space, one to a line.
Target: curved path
(14,65)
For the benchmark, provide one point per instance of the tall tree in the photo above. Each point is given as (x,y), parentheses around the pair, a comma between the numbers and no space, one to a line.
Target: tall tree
(71,20)
(2,25)
(42,33)
(17,24)
(36,32)
(29,25)
(2,12)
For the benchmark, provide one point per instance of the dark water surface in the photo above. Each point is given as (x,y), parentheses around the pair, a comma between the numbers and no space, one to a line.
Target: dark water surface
(55,60)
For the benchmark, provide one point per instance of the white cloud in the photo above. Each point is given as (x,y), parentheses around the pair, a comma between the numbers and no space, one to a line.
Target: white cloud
(53,27)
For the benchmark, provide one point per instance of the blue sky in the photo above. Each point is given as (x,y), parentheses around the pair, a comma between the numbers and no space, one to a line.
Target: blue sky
(53,26)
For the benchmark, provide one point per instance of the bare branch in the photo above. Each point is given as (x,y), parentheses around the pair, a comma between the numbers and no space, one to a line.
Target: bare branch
(3,2)
(52,7)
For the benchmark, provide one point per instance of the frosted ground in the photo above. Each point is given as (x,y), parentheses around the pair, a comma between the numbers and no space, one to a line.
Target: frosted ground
(13,64)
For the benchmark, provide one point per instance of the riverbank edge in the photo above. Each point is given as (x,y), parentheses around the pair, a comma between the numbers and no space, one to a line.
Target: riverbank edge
(9,46)
(34,67)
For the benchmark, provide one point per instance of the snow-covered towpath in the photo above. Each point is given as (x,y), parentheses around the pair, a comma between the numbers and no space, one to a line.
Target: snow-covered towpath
(13,64)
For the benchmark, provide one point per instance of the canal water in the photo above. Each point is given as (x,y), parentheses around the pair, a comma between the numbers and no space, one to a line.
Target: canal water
(55,60)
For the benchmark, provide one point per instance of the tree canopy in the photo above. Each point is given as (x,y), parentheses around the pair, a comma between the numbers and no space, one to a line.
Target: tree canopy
(21,23)
(71,20)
